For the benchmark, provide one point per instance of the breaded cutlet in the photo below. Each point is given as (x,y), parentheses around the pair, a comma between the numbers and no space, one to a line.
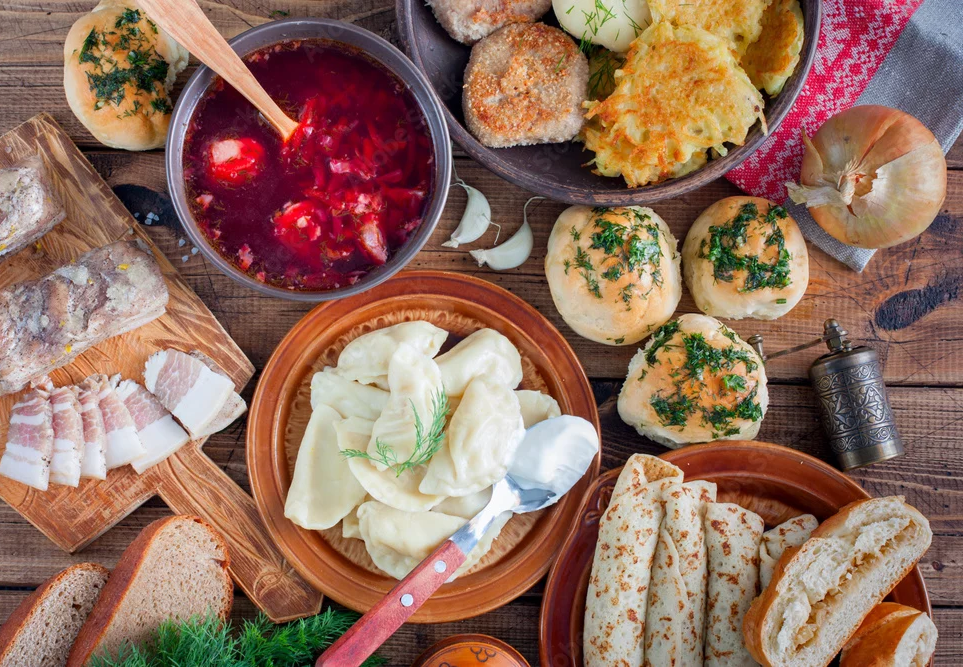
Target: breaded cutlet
(468,21)
(525,84)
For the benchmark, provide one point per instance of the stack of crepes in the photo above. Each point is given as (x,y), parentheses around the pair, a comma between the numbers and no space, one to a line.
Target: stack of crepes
(675,571)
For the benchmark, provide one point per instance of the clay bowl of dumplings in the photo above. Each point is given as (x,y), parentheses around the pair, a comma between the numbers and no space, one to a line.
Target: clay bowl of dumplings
(775,482)
(341,568)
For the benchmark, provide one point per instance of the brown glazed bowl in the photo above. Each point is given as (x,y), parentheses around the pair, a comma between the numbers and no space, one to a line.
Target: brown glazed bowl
(341,568)
(775,482)
(351,37)
(556,171)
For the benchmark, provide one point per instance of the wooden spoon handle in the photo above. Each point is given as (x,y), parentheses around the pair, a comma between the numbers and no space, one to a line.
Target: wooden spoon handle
(186,22)
(383,619)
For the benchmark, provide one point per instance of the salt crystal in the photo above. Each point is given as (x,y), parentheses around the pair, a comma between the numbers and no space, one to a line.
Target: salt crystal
(185,258)
(193,251)
(180,243)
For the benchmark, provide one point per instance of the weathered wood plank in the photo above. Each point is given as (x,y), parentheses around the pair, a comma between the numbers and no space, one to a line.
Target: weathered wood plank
(906,304)
(517,624)
(931,424)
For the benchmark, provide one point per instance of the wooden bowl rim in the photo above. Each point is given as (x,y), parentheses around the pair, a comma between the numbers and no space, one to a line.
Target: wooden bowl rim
(553,584)
(525,178)
(466,597)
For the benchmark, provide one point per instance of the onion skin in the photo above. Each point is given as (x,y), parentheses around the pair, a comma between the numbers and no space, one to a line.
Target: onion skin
(884,170)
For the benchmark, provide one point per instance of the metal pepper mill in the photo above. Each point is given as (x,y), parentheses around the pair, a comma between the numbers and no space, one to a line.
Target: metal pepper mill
(852,398)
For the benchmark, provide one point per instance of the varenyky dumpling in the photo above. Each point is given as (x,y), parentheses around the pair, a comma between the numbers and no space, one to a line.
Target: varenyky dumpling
(465,506)
(536,406)
(398,491)
(482,438)
(485,353)
(349,524)
(415,388)
(366,358)
(398,541)
(348,398)
(323,489)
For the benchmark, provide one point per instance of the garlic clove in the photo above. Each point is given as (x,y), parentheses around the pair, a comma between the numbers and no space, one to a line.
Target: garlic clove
(475,219)
(513,252)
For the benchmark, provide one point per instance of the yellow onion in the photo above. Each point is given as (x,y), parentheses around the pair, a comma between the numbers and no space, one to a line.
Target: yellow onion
(872,177)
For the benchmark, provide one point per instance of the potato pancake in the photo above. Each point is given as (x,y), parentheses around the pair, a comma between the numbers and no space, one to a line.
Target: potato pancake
(679,94)
(771,59)
(739,22)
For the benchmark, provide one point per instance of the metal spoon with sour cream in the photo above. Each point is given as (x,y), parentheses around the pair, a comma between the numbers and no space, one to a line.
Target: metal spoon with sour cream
(551,458)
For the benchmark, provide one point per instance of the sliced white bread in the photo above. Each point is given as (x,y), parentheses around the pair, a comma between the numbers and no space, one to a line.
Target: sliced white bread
(175,569)
(821,592)
(42,629)
(893,635)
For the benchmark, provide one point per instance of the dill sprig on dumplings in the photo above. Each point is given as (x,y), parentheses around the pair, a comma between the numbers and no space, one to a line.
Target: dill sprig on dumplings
(427,442)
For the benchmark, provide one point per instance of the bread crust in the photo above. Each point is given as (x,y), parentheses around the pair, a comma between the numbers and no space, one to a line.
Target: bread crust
(10,630)
(135,117)
(878,638)
(731,298)
(128,567)
(754,633)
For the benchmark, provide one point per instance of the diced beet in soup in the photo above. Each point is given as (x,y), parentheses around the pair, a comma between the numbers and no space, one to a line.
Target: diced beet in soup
(334,202)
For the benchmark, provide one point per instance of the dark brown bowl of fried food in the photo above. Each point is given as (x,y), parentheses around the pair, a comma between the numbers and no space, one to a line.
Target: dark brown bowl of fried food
(558,100)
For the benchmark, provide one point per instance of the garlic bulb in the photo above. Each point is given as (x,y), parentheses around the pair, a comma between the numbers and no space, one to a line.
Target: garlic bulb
(474,221)
(512,252)
(872,177)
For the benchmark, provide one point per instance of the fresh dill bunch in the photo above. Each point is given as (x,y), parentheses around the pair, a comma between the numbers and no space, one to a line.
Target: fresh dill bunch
(427,441)
(209,642)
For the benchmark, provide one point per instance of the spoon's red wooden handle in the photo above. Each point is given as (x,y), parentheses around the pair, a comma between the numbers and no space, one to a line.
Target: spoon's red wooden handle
(383,619)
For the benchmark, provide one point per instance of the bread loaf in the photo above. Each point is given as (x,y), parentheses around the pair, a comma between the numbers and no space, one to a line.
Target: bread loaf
(43,628)
(175,569)
(893,635)
(821,592)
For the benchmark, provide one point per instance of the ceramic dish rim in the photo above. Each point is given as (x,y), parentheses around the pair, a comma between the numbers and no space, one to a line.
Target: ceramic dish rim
(608,477)
(266,477)
(625,196)
(372,46)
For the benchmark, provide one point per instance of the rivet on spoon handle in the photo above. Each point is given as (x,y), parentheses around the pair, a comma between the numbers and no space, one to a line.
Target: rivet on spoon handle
(382,620)
(186,22)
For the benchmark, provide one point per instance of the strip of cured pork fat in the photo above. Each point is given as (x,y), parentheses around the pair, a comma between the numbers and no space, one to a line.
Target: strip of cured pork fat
(68,433)
(30,440)
(186,387)
(94,462)
(160,435)
(123,445)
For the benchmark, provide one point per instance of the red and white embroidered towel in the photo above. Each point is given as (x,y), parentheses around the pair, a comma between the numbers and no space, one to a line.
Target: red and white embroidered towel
(906,54)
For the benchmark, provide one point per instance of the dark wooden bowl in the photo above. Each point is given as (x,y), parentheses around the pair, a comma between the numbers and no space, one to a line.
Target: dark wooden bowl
(460,304)
(555,170)
(776,482)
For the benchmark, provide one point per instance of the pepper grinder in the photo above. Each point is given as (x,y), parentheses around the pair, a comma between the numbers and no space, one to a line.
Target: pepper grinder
(851,396)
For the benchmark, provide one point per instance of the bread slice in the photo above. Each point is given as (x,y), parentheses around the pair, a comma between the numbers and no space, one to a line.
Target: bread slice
(821,592)
(892,635)
(175,569)
(42,629)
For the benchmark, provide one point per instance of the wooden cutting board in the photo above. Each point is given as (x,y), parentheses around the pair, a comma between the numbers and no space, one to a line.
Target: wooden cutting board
(189,482)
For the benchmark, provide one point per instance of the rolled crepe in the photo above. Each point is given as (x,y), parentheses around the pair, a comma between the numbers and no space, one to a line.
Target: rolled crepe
(733,535)
(674,619)
(619,585)
(792,533)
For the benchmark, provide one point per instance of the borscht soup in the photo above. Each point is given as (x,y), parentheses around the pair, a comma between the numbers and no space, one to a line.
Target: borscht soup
(336,200)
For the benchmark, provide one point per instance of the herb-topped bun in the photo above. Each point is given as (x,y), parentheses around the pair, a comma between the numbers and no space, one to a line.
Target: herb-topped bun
(119,68)
(745,257)
(613,272)
(695,381)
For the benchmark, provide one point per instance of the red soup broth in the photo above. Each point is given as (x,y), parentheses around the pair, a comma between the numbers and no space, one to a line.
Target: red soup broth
(335,201)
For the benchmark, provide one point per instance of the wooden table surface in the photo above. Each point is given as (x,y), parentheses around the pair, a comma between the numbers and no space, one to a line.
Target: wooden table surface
(906,305)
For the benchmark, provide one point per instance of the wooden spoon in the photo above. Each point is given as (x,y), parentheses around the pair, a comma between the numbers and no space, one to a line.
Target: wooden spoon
(189,26)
